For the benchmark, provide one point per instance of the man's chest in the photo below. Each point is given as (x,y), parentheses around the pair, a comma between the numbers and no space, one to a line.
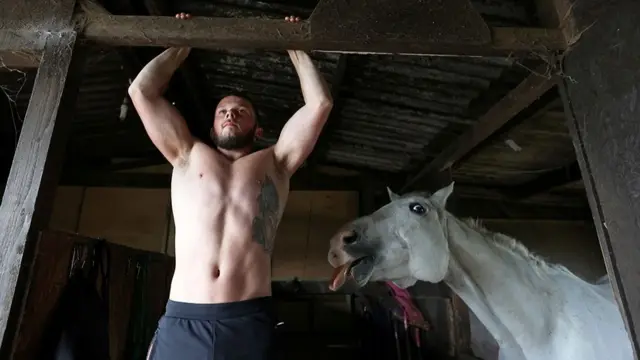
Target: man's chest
(250,179)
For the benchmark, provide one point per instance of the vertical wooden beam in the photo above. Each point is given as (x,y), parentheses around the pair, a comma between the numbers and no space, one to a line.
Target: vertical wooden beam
(601,95)
(27,201)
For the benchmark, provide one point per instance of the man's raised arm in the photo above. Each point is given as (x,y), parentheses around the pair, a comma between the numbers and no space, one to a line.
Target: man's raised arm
(300,133)
(165,126)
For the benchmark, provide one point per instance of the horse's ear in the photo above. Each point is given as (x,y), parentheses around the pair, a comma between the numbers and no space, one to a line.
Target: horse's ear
(441,196)
(392,196)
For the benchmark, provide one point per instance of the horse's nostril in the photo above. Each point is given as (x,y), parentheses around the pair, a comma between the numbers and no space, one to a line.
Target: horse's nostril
(350,239)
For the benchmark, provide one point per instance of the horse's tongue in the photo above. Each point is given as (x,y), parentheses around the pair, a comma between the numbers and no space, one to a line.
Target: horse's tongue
(339,277)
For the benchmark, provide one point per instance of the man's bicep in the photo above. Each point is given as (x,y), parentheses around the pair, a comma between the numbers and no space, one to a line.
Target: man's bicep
(165,126)
(299,136)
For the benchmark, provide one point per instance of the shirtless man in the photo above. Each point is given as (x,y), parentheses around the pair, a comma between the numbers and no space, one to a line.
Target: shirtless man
(227,202)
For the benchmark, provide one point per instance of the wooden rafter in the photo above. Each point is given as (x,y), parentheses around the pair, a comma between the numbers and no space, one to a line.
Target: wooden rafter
(453,27)
(518,99)
(547,181)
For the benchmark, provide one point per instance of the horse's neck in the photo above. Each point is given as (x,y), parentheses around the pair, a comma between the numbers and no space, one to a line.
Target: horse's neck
(500,286)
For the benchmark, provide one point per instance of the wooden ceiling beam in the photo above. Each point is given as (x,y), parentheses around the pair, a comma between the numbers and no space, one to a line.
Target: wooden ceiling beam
(517,100)
(547,181)
(19,59)
(451,28)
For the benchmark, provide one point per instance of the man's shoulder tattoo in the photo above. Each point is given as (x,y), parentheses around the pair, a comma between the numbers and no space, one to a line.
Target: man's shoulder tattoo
(266,220)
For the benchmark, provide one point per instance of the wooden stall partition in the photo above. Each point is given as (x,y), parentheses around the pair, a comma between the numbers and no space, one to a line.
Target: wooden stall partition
(138,283)
(49,274)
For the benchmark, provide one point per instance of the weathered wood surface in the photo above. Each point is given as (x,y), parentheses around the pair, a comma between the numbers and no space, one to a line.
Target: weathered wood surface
(19,59)
(418,21)
(213,33)
(602,102)
(370,30)
(518,99)
(24,26)
(28,197)
(418,27)
(32,15)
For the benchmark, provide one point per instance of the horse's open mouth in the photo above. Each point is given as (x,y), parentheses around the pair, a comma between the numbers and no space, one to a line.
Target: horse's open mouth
(341,272)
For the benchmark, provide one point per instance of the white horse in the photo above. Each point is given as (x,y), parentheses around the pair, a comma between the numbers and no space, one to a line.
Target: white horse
(534,310)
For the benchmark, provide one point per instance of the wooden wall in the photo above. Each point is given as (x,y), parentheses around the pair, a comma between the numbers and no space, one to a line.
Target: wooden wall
(141,219)
(130,270)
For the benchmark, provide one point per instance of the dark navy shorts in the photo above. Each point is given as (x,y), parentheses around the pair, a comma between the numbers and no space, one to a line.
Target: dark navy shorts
(237,330)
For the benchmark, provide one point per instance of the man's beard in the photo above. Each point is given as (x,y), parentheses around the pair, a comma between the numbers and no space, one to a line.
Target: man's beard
(234,142)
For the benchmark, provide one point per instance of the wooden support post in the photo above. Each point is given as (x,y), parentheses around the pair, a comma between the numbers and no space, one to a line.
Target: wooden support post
(601,95)
(28,197)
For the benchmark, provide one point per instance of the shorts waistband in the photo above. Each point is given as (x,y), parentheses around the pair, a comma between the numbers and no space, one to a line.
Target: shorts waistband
(219,311)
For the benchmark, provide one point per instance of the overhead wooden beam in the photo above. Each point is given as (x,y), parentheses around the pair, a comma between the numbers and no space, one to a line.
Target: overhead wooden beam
(25,25)
(601,99)
(18,49)
(518,99)
(557,14)
(28,197)
(411,27)
(19,59)
(547,181)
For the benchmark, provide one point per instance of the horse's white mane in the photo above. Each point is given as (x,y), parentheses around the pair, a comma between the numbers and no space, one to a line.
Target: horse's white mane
(541,267)
(505,242)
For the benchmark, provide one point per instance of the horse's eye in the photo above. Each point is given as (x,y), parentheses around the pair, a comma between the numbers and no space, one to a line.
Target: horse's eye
(417,208)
